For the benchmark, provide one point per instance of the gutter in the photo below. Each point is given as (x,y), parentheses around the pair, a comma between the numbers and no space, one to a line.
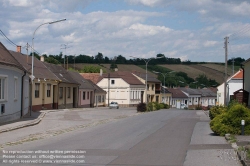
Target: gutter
(22,94)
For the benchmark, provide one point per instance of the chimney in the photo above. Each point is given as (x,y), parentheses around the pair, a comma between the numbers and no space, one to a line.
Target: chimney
(42,58)
(100,72)
(18,49)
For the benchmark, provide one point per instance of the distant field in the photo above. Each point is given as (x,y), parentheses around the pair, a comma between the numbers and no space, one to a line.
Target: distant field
(191,72)
(105,67)
(212,71)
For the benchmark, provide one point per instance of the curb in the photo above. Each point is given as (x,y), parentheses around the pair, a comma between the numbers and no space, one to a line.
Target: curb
(32,123)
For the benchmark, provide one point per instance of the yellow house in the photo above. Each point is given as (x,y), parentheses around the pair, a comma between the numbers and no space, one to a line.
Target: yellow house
(153,87)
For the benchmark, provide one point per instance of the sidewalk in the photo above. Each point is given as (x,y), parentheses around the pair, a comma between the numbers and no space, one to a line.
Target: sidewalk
(34,119)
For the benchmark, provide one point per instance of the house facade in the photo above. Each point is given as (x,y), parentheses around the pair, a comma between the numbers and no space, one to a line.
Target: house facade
(86,96)
(14,85)
(66,91)
(194,96)
(246,87)
(153,87)
(234,83)
(208,98)
(43,88)
(178,98)
(122,87)
(166,96)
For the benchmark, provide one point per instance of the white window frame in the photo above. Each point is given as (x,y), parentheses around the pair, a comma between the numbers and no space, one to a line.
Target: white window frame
(4,88)
(15,87)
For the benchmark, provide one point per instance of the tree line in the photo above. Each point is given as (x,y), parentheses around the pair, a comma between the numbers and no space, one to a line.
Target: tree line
(100,58)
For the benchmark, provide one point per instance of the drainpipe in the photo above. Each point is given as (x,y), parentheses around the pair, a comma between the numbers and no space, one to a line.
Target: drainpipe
(22,94)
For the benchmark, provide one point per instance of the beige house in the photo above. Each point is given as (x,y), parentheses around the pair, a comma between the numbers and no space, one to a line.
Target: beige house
(153,87)
(44,85)
(122,87)
(246,78)
(66,91)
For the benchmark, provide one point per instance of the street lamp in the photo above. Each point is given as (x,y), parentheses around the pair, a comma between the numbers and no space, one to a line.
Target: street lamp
(32,65)
(146,83)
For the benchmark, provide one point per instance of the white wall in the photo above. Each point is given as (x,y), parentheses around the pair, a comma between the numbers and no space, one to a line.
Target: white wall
(12,105)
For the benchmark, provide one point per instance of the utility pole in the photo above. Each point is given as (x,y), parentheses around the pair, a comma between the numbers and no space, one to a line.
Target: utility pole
(225,83)
(65,46)
(233,65)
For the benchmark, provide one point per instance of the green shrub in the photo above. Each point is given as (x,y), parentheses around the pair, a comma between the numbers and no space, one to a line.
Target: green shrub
(150,107)
(229,121)
(216,110)
(156,106)
(162,105)
(141,107)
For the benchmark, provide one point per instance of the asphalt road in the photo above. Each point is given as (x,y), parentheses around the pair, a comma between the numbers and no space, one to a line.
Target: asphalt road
(150,139)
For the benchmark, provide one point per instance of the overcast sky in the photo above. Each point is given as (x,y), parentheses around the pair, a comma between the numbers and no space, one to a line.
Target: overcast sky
(187,29)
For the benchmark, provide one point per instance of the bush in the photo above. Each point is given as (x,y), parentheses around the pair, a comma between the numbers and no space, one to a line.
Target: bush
(141,107)
(156,106)
(162,105)
(230,121)
(150,107)
(216,110)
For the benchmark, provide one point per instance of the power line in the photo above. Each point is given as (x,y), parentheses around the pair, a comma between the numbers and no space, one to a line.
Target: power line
(240,33)
(11,42)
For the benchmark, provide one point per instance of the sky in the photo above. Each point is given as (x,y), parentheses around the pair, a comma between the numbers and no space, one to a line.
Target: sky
(187,29)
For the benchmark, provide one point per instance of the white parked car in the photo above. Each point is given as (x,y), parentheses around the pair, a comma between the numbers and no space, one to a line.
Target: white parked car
(183,106)
(114,105)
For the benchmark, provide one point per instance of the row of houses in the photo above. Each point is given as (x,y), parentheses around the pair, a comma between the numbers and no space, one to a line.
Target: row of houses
(53,87)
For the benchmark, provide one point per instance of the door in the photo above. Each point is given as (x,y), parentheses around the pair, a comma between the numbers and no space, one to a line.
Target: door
(25,97)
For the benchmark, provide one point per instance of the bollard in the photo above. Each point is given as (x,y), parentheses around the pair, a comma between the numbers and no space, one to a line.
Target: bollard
(242,126)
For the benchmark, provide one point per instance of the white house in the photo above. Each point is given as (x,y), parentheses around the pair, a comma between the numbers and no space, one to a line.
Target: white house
(234,83)
(194,97)
(122,87)
(14,87)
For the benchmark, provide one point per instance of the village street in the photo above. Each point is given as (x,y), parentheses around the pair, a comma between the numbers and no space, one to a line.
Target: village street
(102,136)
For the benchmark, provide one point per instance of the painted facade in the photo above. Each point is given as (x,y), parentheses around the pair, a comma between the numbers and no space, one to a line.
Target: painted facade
(14,99)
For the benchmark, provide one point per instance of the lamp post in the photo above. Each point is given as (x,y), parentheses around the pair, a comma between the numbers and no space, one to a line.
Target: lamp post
(146,62)
(32,65)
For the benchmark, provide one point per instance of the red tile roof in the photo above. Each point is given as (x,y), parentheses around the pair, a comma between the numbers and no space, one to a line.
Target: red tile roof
(94,77)
(238,75)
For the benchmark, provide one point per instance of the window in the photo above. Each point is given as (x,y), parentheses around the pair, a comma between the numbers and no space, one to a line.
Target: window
(102,98)
(37,88)
(153,87)
(83,95)
(15,88)
(3,87)
(112,82)
(68,92)
(61,92)
(48,90)
(147,86)
(99,99)
(87,95)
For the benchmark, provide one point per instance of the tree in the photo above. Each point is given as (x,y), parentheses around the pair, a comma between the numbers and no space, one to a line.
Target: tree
(99,58)
(52,60)
(237,61)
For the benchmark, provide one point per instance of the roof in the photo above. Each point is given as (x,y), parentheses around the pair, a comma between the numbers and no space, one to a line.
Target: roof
(96,87)
(206,92)
(125,75)
(8,59)
(191,91)
(150,78)
(84,84)
(164,90)
(177,93)
(62,74)
(238,75)
(94,77)
(39,69)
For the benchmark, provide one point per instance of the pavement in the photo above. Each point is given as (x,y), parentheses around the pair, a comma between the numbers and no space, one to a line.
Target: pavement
(204,146)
